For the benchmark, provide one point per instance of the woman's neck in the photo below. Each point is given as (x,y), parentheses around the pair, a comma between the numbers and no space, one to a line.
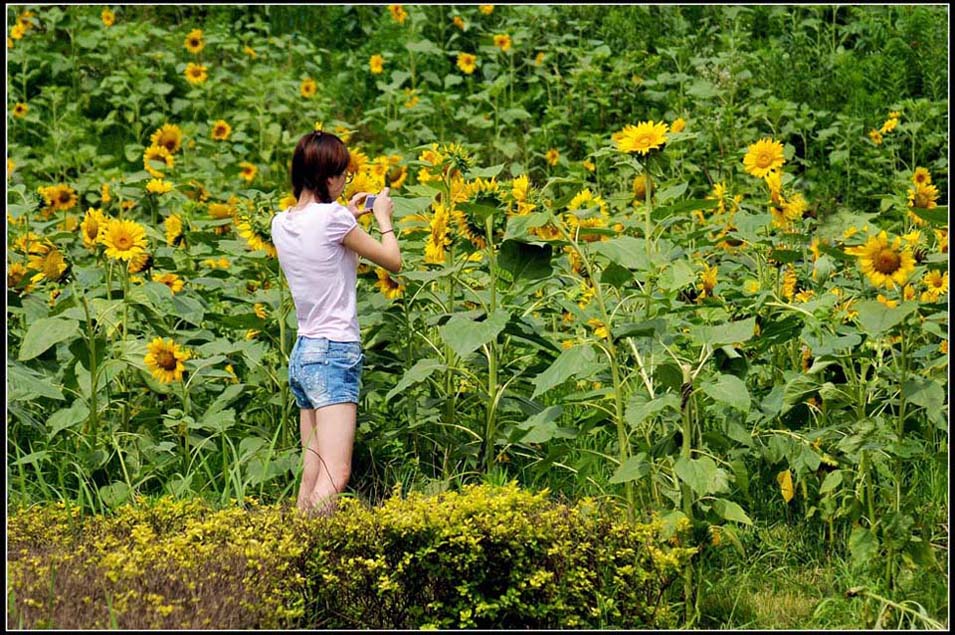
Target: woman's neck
(306,199)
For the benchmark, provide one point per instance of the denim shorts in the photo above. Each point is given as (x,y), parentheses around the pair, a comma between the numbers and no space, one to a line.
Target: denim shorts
(323,372)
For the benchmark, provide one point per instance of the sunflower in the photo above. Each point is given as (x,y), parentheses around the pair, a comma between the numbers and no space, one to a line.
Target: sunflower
(795,207)
(247,171)
(585,199)
(588,165)
(196,73)
(468,230)
(438,239)
(173,227)
(59,197)
(248,50)
(123,239)
(389,287)
(142,261)
(221,210)
(376,64)
(171,280)
(287,201)
(774,181)
(221,130)
(467,62)
(552,156)
(357,160)
(20,110)
(707,281)
(678,125)
(923,196)
(168,136)
(886,265)
(164,359)
(789,283)
(93,223)
(398,13)
(539,59)
(397,176)
(503,42)
(600,329)
(158,186)
(17,32)
(108,17)
(256,240)
(260,312)
(486,9)
(936,285)
(889,125)
(194,43)
(875,136)
(458,22)
(921,176)
(639,186)
(308,88)
(156,156)
(48,262)
(642,138)
(15,273)
(763,156)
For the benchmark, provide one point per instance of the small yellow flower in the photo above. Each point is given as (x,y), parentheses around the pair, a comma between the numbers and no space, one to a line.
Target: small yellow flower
(389,287)
(707,281)
(552,156)
(467,62)
(251,334)
(221,130)
(678,125)
(376,64)
(539,59)
(194,42)
(164,359)
(155,158)
(921,176)
(260,311)
(642,138)
(158,186)
(248,50)
(247,171)
(123,239)
(486,9)
(589,165)
(171,280)
(763,156)
(503,42)
(108,17)
(889,125)
(936,285)
(196,73)
(875,136)
(20,110)
(308,88)
(173,227)
(458,22)
(17,32)
(398,13)
(600,329)
(168,136)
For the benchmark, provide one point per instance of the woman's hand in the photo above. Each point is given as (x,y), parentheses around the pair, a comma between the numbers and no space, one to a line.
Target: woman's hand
(384,207)
(353,206)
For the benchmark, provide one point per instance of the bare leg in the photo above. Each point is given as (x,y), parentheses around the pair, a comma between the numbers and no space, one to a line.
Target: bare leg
(334,439)
(310,461)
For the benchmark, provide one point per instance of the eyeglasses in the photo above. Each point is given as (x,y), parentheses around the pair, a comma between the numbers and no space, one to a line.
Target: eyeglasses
(349,176)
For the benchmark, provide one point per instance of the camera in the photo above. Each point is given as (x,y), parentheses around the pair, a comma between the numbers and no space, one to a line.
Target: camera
(370,201)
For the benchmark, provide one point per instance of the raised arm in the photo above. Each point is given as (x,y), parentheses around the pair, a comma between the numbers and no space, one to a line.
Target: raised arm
(386,253)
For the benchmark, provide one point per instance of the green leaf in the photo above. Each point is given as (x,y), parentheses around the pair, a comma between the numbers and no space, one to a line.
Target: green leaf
(114,494)
(728,510)
(656,326)
(541,427)
(633,469)
(485,173)
(465,335)
(863,545)
(832,481)
(525,261)
(876,318)
(67,418)
(728,333)
(478,211)
(625,251)
(659,213)
(518,226)
(728,389)
(423,46)
(677,275)
(702,475)
(937,215)
(926,393)
(44,333)
(25,385)
(415,375)
(639,408)
(615,275)
(570,362)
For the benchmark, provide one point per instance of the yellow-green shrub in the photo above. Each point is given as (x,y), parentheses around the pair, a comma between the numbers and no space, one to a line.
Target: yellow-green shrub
(485,557)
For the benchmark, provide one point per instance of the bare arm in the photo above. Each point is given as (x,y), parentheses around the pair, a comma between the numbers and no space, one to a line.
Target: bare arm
(386,253)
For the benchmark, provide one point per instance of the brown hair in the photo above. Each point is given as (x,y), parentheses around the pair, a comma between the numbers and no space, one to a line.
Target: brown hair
(318,156)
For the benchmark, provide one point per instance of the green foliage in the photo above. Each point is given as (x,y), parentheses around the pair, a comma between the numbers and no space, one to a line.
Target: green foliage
(484,557)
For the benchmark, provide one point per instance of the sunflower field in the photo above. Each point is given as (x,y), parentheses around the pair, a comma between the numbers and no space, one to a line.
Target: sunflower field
(690,261)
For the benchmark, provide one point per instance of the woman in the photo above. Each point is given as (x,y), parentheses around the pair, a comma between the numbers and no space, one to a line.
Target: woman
(319,242)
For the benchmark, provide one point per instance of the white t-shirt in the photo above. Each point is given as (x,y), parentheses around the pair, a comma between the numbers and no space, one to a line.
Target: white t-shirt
(320,270)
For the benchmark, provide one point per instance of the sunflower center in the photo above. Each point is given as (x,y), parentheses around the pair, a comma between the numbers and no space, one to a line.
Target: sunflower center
(886,262)
(92,230)
(64,197)
(764,159)
(123,242)
(645,141)
(166,360)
